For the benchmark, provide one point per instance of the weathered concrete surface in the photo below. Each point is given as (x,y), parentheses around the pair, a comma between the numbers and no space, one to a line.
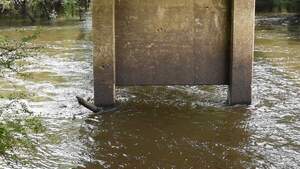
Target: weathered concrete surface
(104,52)
(168,42)
(165,42)
(243,14)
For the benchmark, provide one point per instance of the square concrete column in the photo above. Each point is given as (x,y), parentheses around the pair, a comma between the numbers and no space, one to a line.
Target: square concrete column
(104,52)
(242,47)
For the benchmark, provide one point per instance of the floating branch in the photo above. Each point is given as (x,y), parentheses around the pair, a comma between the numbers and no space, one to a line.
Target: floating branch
(94,108)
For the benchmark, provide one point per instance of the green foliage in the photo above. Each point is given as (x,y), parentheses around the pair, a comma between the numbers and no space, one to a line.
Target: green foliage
(69,6)
(43,9)
(278,5)
(17,128)
(17,122)
(14,50)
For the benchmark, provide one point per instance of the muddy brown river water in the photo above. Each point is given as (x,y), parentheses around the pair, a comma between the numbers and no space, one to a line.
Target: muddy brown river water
(159,127)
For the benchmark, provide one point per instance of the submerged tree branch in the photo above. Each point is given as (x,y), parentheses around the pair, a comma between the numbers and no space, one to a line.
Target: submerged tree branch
(94,108)
(88,105)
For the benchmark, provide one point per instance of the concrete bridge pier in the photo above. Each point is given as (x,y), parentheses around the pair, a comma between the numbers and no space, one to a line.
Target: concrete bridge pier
(242,50)
(104,52)
(173,42)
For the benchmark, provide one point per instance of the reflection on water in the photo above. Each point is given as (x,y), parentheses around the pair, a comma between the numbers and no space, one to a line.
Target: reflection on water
(166,128)
(160,127)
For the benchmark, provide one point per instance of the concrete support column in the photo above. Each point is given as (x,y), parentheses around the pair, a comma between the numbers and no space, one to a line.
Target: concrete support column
(104,52)
(242,46)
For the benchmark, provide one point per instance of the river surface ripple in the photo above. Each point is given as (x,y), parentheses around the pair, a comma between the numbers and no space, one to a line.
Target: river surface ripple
(160,127)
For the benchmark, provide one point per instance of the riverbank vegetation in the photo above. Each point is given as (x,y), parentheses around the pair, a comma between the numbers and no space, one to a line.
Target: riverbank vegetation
(17,123)
(18,128)
(12,51)
(36,10)
(278,6)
